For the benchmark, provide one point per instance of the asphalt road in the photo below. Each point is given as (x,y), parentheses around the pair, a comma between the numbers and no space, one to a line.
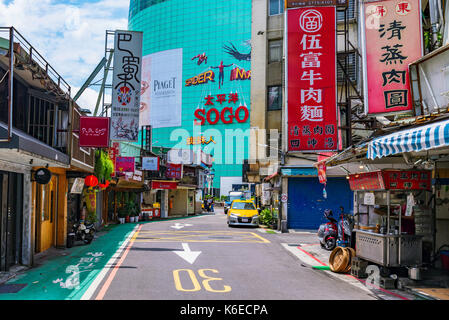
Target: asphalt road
(201,258)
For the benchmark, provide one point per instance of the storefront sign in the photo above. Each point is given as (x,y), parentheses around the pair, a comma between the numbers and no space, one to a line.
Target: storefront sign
(366,181)
(174,171)
(78,185)
(403,180)
(200,140)
(113,152)
(42,176)
(150,163)
(124,164)
(391,180)
(94,132)
(225,115)
(391,37)
(311,65)
(126,86)
(314,3)
(171,185)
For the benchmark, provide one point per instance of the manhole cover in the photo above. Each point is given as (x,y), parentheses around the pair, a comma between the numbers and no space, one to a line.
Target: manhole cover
(11,288)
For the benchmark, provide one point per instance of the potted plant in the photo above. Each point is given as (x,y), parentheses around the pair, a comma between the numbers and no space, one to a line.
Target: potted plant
(122,215)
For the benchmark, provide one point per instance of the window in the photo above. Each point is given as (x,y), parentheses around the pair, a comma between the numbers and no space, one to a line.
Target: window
(350,11)
(275,98)
(351,67)
(243,206)
(274,51)
(276,7)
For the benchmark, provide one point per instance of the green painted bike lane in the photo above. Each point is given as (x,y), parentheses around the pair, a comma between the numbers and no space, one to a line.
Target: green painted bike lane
(68,277)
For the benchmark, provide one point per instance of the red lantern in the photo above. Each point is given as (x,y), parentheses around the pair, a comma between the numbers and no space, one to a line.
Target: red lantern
(104,185)
(91,181)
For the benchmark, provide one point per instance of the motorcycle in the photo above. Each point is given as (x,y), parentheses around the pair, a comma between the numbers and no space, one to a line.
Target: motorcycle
(335,232)
(328,232)
(81,232)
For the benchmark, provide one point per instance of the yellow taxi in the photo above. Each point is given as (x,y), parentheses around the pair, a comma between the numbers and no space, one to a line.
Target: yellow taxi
(243,213)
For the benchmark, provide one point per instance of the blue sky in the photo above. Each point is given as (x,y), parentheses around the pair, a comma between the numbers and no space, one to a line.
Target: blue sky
(70,34)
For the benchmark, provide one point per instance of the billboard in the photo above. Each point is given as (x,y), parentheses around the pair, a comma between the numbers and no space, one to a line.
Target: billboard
(311,76)
(126,86)
(391,38)
(161,100)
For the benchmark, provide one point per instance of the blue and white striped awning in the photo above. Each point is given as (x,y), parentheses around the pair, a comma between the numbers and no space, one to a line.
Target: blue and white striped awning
(427,137)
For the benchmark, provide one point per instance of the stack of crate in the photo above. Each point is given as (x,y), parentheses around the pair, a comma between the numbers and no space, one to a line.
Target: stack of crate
(358,268)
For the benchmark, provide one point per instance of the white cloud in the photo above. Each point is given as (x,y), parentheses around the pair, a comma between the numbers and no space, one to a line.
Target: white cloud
(70,35)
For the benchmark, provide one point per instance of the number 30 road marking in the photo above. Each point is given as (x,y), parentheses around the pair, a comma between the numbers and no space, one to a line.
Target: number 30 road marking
(195,282)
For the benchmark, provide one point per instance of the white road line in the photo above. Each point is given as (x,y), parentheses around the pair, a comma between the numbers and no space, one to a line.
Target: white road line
(93,287)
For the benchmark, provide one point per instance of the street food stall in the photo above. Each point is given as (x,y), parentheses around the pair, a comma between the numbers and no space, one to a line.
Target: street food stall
(392,215)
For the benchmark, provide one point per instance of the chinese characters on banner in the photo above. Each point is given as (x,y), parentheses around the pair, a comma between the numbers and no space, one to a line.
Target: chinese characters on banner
(392,38)
(174,171)
(312,110)
(126,86)
(113,152)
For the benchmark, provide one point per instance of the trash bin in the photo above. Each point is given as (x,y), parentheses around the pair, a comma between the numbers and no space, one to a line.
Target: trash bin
(445,258)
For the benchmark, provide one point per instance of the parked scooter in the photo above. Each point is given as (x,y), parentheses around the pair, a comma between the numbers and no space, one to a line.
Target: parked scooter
(345,227)
(328,232)
(336,233)
(81,232)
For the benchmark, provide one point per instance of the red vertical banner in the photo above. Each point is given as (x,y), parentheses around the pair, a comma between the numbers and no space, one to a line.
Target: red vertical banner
(311,65)
(391,37)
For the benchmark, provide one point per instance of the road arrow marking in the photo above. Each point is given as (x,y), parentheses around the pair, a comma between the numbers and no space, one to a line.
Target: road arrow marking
(180,225)
(187,255)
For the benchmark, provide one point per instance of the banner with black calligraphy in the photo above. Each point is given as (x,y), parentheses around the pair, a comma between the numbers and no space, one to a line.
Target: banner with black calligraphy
(311,65)
(126,86)
(391,40)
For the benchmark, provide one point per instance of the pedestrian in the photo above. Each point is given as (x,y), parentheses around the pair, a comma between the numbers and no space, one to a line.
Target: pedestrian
(212,205)
(209,204)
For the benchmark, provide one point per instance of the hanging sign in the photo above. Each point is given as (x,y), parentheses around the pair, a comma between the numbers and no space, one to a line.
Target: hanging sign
(124,164)
(126,86)
(174,171)
(42,176)
(150,163)
(391,39)
(94,132)
(311,65)
(78,185)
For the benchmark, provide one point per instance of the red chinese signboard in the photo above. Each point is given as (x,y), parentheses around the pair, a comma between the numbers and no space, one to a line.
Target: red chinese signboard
(413,180)
(124,164)
(391,180)
(366,181)
(164,185)
(113,152)
(94,132)
(391,36)
(311,65)
(174,171)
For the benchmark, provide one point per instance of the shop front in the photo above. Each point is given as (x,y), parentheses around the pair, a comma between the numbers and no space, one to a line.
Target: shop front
(307,198)
(393,217)
(156,201)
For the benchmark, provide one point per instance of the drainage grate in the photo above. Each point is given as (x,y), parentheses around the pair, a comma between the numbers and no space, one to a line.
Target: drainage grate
(11,288)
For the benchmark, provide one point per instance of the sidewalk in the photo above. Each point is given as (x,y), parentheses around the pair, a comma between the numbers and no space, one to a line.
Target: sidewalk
(433,286)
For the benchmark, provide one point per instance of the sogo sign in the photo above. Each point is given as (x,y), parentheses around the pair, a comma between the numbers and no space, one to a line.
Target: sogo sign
(226,115)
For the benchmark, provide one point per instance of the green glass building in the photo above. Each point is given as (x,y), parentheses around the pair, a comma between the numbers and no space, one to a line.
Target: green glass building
(206,43)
